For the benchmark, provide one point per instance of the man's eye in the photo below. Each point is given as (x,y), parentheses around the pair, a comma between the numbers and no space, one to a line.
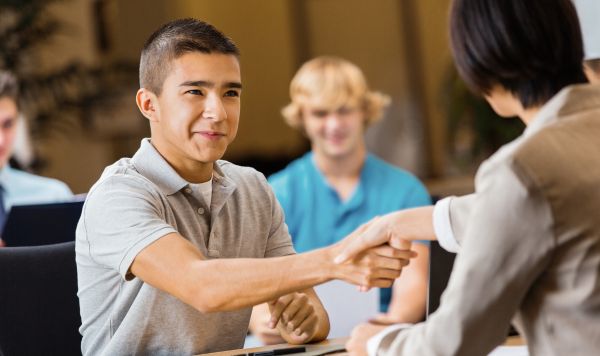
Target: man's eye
(194,92)
(320,113)
(233,93)
(8,124)
(345,110)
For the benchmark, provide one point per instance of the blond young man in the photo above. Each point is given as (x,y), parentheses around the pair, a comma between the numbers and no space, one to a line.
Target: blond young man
(338,185)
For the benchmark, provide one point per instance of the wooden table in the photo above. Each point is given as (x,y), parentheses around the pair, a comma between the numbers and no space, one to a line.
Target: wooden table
(320,346)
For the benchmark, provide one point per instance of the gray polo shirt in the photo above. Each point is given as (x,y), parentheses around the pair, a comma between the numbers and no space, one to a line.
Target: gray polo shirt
(139,200)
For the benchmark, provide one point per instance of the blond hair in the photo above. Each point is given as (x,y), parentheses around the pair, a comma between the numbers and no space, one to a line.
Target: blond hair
(336,82)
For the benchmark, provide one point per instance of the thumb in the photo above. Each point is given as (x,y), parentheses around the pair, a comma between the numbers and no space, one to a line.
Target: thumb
(359,240)
(348,252)
(399,243)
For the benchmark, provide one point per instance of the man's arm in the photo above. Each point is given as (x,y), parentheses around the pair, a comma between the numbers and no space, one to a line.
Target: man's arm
(174,265)
(410,290)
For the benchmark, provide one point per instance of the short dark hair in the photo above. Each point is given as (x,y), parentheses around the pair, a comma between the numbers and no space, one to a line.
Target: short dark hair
(532,48)
(175,39)
(9,86)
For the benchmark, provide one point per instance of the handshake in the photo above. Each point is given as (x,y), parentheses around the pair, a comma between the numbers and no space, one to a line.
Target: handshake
(371,256)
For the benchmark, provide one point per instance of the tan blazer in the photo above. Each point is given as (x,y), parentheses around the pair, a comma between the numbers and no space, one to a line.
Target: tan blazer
(530,244)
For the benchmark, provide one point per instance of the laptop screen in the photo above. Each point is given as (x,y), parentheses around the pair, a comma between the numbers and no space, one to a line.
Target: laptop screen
(42,224)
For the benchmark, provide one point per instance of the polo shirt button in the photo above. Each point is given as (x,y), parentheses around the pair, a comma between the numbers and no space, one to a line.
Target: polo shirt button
(200,211)
(188,190)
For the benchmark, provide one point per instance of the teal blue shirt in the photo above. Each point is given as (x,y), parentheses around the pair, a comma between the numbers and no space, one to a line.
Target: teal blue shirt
(317,217)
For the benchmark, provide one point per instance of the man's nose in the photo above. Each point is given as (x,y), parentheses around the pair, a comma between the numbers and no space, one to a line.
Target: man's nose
(333,121)
(213,108)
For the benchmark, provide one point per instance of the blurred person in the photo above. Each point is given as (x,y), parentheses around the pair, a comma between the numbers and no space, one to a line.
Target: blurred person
(16,186)
(339,185)
(528,239)
(174,246)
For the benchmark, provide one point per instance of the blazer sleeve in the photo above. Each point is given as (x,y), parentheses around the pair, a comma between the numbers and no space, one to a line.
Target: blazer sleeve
(507,244)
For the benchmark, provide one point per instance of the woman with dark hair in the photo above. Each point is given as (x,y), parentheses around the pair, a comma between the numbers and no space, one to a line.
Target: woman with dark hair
(528,239)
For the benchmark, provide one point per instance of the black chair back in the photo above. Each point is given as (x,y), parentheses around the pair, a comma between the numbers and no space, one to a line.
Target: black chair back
(440,268)
(39,308)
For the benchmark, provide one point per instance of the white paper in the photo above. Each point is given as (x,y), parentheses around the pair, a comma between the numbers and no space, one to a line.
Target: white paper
(346,306)
(520,350)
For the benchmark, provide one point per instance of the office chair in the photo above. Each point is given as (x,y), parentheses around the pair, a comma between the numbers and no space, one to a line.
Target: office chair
(39,309)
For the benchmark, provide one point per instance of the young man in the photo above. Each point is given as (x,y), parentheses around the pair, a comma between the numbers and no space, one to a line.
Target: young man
(171,244)
(338,185)
(528,240)
(18,187)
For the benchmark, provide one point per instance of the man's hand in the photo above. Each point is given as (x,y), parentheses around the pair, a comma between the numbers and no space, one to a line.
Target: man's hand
(259,326)
(357,344)
(375,267)
(371,266)
(295,317)
(378,231)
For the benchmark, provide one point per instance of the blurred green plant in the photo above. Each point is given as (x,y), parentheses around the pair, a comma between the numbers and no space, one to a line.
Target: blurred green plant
(474,130)
(51,99)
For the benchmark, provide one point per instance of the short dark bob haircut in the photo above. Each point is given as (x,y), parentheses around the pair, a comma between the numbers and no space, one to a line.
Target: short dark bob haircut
(173,40)
(532,48)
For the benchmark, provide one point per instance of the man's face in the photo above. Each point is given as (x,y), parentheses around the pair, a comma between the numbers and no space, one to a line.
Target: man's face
(8,127)
(334,133)
(198,110)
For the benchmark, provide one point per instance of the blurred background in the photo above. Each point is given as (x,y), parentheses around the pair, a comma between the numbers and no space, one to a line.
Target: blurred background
(77,62)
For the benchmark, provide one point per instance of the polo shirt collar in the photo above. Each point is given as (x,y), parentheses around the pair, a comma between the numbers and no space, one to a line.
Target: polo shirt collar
(223,188)
(152,165)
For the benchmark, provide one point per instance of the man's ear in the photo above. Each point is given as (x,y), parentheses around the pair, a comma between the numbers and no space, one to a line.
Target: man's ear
(147,102)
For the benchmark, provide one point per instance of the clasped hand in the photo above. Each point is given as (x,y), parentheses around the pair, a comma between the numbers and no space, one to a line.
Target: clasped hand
(295,317)
(371,257)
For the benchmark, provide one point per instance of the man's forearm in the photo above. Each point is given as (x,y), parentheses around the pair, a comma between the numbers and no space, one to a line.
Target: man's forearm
(410,290)
(412,224)
(238,283)
(176,266)
(252,281)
